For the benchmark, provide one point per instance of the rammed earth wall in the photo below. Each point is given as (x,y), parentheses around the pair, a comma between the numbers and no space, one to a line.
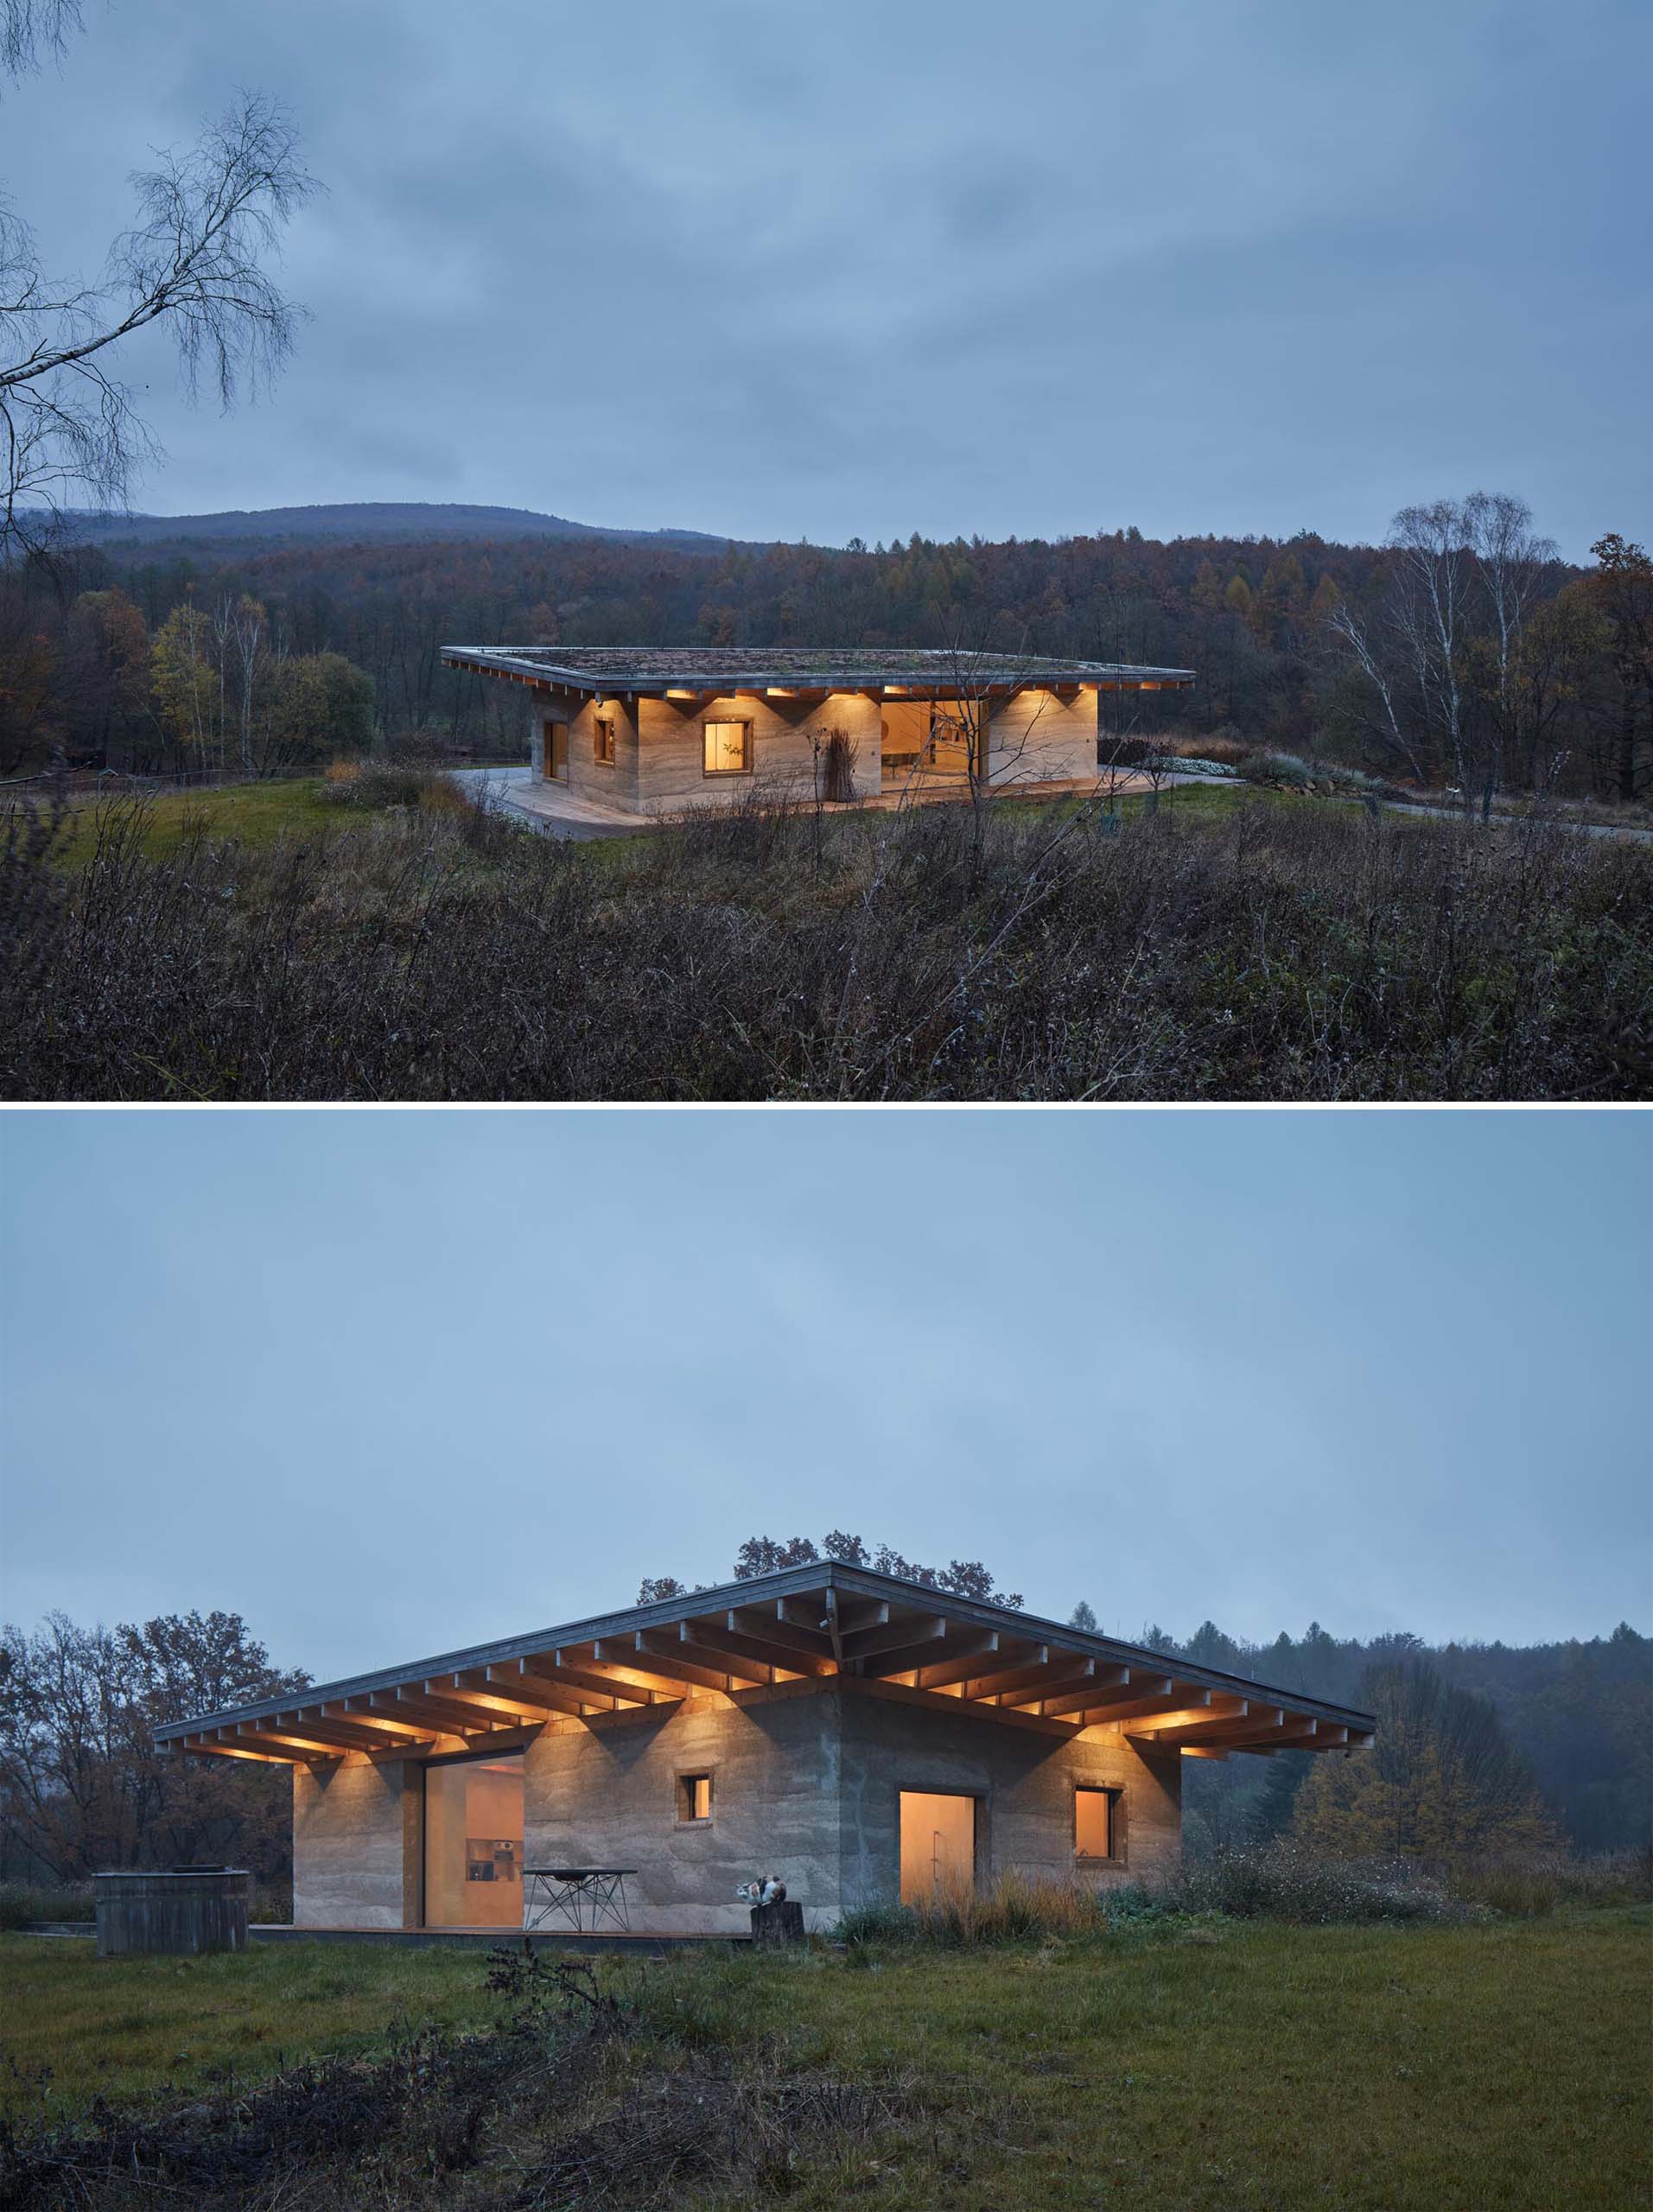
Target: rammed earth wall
(806,1784)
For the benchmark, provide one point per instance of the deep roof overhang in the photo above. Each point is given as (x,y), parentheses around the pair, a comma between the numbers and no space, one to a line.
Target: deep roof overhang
(801,1626)
(655,671)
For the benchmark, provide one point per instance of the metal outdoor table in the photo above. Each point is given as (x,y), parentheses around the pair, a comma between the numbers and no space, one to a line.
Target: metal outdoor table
(584,1897)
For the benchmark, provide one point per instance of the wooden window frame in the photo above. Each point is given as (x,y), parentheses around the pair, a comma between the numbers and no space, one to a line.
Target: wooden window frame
(749,748)
(1115,1796)
(680,1797)
(603,741)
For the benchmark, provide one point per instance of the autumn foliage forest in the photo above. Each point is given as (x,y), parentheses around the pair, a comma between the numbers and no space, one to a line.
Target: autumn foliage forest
(1462,653)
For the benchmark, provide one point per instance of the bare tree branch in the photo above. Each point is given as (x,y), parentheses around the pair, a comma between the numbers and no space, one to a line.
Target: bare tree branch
(194,261)
(30,30)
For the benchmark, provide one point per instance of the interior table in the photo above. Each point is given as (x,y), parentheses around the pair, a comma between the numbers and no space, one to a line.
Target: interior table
(584,1897)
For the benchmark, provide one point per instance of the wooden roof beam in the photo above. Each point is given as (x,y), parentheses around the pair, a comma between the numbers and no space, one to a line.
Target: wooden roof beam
(720,1633)
(603,1680)
(429,1714)
(1173,1696)
(498,1707)
(542,1695)
(231,1750)
(1068,1680)
(773,1642)
(626,1654)
(1258,1727)
(304,1748)
(1083,1697)
(663,1655)
(724,1654)
(1010,1678)
(966,1651)
(783,1632)
(1131,1692)
(910,1636)
(1168,1728)
(347,1737)
(370,1710)
(870,1613)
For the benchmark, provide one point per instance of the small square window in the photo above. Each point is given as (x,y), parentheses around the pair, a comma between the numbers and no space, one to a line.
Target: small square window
(729,748)
(694,1796)
(602,740)
(1093,1823)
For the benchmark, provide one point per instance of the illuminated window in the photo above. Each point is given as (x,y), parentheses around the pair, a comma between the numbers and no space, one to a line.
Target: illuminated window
(729,748)
(1093,1823)
(602,742)
(694,1796)
(473,1842)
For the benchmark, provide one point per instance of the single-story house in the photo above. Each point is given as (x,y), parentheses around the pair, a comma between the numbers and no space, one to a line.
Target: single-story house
(656,729)
(863,1738)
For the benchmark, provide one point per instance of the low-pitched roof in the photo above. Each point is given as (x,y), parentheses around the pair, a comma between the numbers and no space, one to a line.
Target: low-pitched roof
(724,669)
(801,1625)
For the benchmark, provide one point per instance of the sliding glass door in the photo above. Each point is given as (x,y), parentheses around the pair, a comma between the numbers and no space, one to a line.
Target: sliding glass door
(474,1842)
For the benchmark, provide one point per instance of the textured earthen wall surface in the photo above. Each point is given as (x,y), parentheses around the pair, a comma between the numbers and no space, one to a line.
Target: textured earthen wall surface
(609,1796)
(1023,1781)
(356,1844)
(806,1785)
(671,755)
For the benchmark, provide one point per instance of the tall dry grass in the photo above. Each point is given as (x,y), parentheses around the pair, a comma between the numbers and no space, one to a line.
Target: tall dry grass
(1277,949)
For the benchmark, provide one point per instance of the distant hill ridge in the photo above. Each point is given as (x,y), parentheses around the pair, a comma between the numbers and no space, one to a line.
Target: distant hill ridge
(414,521)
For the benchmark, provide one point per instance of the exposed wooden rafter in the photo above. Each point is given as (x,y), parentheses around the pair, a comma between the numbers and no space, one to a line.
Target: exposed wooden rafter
(788,1632)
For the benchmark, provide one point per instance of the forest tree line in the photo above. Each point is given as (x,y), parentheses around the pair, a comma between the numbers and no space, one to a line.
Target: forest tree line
(1463,652)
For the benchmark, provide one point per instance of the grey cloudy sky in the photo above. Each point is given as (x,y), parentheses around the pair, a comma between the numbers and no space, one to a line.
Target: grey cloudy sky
(388,1384)
(780,270)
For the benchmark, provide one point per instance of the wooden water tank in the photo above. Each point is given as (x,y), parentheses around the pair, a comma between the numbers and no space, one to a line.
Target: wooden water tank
(172,1909)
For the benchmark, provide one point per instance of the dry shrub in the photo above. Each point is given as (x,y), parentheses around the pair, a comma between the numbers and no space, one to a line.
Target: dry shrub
(1014,1907)
(1226,746)
(699,2129)
(1525,1884)
(382,783)
(576,2097)
(770,952)
(1280,1881)
(1126,753)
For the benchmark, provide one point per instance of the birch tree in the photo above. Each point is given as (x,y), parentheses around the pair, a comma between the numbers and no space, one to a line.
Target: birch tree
(194,261)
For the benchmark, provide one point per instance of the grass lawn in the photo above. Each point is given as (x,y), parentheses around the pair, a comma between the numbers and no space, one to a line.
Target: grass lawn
(252,814)
(1233,2064)
(119,2027)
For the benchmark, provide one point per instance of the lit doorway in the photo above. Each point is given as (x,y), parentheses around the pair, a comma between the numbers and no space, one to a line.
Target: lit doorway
(474,1842)
(937,1846)
(557,751)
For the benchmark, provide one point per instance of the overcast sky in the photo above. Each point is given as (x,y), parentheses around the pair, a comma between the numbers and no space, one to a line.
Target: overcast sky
(776,269)
(390,1384)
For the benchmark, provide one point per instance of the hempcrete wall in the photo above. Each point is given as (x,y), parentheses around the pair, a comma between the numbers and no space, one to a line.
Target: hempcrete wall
(806,1785)
(671,756)
(659,752)
(588,778)
(1036,736)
